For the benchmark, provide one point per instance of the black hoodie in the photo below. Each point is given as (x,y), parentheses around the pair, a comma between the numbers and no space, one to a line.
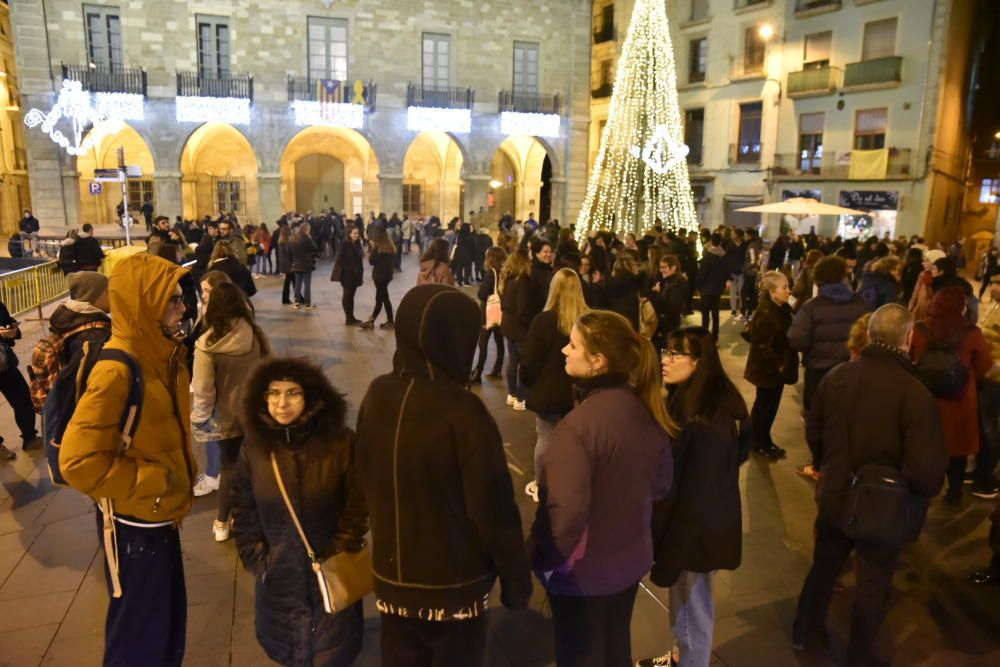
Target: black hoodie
(432,466)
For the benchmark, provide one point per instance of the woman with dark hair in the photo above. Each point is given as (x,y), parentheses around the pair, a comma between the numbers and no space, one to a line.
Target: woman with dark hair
(382,257)
(946,327)
(698,528)
(223,357)
(295,428)
(492,266)
(465,253)
(541,272)
(224,260)
(349,271)
(622,288)
(434,264)
(804,285)
(880,282)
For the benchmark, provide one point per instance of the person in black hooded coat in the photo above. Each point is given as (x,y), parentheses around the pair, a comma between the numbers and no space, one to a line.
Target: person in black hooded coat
(439,473)
(315,455)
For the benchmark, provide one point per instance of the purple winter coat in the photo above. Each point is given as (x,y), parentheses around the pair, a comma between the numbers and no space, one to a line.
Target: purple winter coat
(606,462)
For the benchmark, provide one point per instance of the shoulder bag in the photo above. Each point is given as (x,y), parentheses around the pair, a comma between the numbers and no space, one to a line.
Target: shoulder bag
(494,313)
(345,577)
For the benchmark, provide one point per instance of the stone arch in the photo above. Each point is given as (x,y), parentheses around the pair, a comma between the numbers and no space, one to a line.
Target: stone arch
(328,167)
(533,186)
(433,167)
(101,209)
(219,168)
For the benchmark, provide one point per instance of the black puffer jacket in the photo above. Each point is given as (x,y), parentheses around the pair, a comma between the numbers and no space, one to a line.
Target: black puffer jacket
(822,325)
(518,308)
(543,366)
(431,461)
(349,267)
(237,272)
(303,250)
(316,459)
(772,362)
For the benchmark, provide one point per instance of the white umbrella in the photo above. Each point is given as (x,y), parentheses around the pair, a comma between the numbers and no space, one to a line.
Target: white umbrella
(801,206)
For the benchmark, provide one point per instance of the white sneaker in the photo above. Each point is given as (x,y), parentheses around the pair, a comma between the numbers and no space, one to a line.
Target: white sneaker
(205,485)
(511,400)
(221,530)
(520,406)
(531,489)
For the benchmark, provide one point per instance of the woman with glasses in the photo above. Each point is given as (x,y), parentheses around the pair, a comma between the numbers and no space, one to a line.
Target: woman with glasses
(294,421)
(698,528)
(223,357)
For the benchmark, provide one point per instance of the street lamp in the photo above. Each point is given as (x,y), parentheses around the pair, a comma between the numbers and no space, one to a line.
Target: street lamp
(997,135)
(766,32)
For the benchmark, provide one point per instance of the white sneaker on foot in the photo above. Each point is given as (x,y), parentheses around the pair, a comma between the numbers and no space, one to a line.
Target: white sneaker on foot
(511,400)
(531,489)
(205,485)
(520,406)
(221,530)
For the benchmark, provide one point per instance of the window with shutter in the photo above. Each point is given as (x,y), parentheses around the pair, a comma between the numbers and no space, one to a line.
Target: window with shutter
(525,67)
(327,48)
(213,46)
(817,50)
(869,128)
(104,36)
(810,142)
(436,61)
(880,39)
(748,149)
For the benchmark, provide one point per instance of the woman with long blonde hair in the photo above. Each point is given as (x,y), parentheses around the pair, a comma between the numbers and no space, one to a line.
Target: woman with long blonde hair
(543,372)
(605,464)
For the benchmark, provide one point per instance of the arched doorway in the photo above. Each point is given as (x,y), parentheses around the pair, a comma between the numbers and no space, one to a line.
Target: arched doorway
(432,177)
(326,167)
(219,174)
(526,160)
(100,209)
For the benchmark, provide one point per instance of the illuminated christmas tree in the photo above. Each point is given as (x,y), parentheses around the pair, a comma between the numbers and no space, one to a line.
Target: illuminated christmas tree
(641,169)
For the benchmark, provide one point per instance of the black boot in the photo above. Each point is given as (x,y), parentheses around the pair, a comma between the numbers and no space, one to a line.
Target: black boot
(476,377)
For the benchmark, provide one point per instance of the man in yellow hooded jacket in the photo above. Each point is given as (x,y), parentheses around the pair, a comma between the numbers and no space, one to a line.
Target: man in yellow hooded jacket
(146,487)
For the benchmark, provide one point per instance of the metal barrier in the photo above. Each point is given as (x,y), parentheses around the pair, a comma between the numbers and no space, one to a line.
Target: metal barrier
(32,287)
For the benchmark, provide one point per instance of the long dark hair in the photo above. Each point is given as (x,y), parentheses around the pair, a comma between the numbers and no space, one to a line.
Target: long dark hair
(226,306)
(709,388)
(437,251)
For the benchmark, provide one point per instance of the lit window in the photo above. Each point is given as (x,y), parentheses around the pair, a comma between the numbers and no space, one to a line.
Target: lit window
(990,192)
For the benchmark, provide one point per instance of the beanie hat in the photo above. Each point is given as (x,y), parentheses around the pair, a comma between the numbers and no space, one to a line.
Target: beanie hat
(87,286)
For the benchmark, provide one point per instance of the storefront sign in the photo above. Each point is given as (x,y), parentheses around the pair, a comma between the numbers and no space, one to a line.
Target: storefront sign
(869,200)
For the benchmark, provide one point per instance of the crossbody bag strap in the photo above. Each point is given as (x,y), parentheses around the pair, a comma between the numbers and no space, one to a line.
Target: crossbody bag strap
(496,283)
(291,510)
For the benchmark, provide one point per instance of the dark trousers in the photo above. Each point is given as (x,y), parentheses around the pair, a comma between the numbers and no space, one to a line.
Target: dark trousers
(230,451)
(710,306)
(382,299)
(462,270)
(411,642)
(956,475)
(811,383)
(765,410)
(875,563)
(286,288)
(477,270)
(593,631)
(514,386)
(147,624)
(348,302)
(15,390)
(748,297)
(484,344)
(989,447)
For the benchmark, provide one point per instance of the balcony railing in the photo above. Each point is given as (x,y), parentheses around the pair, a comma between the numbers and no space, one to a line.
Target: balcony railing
(817,81)
(529,102)
(418,95)
(808,7)
(789,166)
(880,72)
(746,4)
(605,34)
(215,84)
(104,80)
(308,90)
(604,90)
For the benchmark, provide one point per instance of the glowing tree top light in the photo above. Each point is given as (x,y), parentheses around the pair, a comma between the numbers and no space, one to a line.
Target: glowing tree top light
(641,172)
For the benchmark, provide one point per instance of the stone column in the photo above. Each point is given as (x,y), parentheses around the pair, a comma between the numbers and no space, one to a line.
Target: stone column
(390,194)
(269,193)
(167,194)
(71,196)
(477,190)
(559,201)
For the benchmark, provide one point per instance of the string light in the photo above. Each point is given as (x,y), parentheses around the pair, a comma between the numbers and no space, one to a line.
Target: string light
(431,119)
(232,110)
(640,174)
(74,105)
(328,114)
(532,124)
(126,106)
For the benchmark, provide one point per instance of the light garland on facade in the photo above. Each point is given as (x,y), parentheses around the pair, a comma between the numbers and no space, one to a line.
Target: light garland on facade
(232,110)
(431,119)
(532,124)
(124,106)
(328,114)
(74,105)
(640,173)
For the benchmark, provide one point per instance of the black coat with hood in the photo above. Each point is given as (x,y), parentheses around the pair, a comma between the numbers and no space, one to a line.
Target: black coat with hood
(316,459)
(349,267)
(771,362)
(543,366)
(431,460)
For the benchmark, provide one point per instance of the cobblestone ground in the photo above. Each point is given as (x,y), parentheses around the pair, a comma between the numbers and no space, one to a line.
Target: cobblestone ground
(52,596)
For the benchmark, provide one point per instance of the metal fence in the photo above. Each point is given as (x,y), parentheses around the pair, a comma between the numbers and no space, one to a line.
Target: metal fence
(32,287)
(107,80)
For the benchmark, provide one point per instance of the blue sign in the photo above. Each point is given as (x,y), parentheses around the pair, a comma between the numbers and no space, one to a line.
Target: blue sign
(96,188)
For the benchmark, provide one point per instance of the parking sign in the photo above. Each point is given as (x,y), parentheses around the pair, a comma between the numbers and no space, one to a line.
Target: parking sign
(96,188)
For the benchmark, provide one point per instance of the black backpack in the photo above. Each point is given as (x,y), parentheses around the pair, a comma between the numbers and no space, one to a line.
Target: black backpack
(940,368)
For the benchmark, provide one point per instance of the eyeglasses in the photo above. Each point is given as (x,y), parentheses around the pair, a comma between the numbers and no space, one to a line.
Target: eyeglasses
(672,355)
(177,301)
(292,395)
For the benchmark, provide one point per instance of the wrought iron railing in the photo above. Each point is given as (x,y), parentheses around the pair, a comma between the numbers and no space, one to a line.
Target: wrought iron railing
(215,84)
(306,89)
(107,80)
(530,102)
(418,95)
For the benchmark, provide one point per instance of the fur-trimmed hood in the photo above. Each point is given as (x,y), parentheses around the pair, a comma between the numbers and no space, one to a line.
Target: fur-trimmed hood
(325,410)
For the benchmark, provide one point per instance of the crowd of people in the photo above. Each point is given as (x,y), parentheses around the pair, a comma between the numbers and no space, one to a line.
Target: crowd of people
(639,431)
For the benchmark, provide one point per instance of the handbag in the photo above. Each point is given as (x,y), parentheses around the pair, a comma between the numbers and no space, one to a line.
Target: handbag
(494,312)
(345,577)
(649,321)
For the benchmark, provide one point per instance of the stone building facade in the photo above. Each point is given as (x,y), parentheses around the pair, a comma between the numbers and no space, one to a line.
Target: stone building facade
(521,57)
(14,193)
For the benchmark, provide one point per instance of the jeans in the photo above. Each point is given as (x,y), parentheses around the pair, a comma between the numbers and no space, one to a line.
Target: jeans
(763,414)
(735,292)
(382,299)
(545,423)
(213,459)
(230,451)
(303,287)
(593,631)
(484,344)
(710,306)
(692,618)
(989,447)
(514,386)
(875,563)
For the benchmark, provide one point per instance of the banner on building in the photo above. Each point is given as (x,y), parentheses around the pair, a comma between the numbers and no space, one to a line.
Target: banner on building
(869,165)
